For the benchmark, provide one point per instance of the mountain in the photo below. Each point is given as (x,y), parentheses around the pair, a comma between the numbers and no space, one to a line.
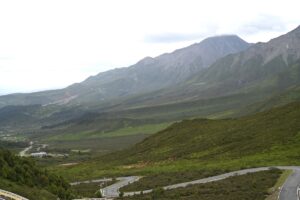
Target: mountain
(274,65)
(147,75)
(151,74)
(262,69)
(12,116)
(237,84)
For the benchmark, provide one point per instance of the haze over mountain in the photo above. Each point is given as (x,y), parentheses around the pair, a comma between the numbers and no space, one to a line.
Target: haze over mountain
(149,74)
(174,86)
(264,68)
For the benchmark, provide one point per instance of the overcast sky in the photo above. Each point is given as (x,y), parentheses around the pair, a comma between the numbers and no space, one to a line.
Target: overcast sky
(53,43)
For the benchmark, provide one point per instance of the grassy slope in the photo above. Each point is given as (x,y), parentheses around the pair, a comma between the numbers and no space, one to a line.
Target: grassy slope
(246,187)
(222,107)
(126,131)
(24,177)
(288,96)
(268,138)
(32,193)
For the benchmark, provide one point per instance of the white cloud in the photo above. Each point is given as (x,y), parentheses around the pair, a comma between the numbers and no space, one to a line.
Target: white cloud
(50,44)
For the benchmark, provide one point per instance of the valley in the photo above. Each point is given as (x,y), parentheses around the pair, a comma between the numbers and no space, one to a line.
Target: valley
(201,121)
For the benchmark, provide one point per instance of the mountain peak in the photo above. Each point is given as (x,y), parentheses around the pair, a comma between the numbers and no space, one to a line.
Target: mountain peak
(224,38)
(147,60)
(296,30)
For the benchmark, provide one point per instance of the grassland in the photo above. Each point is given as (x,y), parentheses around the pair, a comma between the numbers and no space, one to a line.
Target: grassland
(246,187)
(88,145)
(146,129)
(168,178)
(87,149)
(263,139)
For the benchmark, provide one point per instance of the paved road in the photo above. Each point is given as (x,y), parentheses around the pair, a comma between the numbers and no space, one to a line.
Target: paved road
(92,181)
(24,152)
(11,195)
(113,190)
(289,189)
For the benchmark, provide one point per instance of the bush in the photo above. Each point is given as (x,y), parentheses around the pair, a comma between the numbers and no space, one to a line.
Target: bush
(24,171)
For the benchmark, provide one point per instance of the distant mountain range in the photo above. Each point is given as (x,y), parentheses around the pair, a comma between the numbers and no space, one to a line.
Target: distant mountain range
(219,77)
(267,68)
(149,74)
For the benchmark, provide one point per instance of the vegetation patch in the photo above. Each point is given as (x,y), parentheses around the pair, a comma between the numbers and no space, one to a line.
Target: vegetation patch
(17,173)
(245,187)
(168,178)
(90,190)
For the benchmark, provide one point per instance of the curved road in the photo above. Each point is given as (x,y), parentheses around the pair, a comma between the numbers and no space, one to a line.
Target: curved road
(113,190)
(288,192)
(92,181)
(290,189)
(11,195)
(24,152)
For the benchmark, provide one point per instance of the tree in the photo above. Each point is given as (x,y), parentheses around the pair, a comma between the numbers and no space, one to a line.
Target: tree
(98,194)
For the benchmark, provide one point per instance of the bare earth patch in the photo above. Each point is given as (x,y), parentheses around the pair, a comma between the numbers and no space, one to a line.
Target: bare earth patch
(135,166)
(68,164)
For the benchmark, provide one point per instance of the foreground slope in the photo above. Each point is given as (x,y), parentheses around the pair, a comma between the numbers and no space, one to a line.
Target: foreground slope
(250,186)
(268,138)
(22,176)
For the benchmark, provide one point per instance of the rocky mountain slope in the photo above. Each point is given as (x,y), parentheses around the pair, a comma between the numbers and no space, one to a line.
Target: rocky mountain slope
(147,75)
(263,68)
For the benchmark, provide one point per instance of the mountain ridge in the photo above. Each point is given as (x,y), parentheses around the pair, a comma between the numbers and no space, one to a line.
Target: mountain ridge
(263,67)
(146,75)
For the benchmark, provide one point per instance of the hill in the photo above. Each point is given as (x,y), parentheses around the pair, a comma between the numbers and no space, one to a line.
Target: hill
(204,139)
(22,176)
(263,139)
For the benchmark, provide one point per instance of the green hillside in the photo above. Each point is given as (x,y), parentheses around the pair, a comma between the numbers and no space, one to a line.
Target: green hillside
(268,138)
(288,96)
(204,139)
(22,176)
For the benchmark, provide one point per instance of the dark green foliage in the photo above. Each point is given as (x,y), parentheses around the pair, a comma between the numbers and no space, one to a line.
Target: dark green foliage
(32,193)
(168,178)
(24,171)
(98,194)
(121,194)
(91,189)
(13,145)
(246,187)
